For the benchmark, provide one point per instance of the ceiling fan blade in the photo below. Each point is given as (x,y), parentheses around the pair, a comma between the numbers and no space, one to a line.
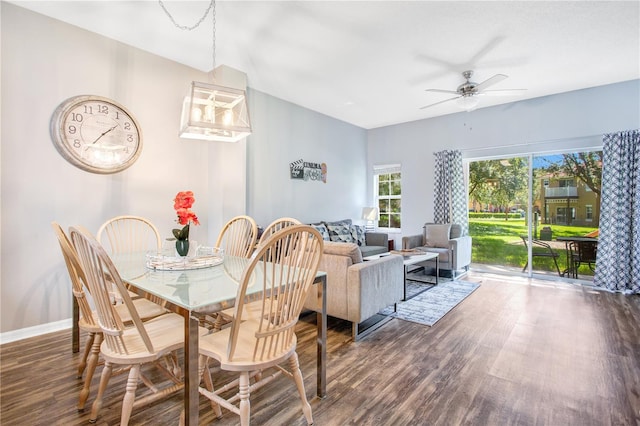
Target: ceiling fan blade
(453,92)
(502,92)
(441,102)
(490,82)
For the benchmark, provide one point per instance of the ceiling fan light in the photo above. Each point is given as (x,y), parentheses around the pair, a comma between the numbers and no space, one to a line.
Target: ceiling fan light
(468,103)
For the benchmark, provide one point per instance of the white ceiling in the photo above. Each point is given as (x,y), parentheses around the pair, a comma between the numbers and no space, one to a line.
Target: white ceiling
(368,62)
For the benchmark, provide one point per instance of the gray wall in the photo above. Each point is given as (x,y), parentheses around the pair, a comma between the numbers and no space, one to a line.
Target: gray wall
(565,121)
(284,133)
(44,62)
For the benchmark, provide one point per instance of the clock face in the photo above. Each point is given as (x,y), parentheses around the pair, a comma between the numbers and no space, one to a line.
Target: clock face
(96,134)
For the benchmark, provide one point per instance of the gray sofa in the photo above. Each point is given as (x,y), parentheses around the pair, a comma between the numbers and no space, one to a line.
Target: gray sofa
(344,231)
(453,248)
(357,290)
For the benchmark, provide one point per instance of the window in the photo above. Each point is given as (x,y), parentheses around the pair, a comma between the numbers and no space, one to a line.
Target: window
(388,194)
(589,213)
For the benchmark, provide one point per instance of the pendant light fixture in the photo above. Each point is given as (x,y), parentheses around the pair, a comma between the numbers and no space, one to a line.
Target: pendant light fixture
(210,111)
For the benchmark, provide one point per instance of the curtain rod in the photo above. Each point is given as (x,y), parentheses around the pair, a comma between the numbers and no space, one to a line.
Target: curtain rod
(541,142)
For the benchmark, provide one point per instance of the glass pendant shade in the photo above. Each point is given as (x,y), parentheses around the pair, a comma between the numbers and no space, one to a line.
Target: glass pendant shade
(215,113)
(468,102)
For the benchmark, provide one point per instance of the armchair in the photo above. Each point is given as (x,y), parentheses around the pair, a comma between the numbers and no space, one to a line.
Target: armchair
(453,248)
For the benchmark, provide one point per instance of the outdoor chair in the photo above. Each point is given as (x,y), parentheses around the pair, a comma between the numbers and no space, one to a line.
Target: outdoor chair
(582,252)
(540,249)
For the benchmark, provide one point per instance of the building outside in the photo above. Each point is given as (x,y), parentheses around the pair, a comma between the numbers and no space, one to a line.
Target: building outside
(566,200)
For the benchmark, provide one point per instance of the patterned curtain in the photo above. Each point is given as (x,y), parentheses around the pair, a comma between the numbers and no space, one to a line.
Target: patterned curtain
(450,197)
(618,259)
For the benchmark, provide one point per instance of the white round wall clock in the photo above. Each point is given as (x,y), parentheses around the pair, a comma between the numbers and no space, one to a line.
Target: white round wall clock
(96,134)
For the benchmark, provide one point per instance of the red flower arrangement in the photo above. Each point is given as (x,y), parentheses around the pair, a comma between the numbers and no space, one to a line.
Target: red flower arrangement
(182,204)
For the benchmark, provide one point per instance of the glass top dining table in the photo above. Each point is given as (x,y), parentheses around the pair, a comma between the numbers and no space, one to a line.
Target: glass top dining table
(192,292)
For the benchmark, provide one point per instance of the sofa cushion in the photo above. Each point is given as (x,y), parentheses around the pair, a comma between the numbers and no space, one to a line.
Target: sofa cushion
(436,235)
(456,231)
(372,250)
(344,249)
(357,233)
(444,254)
(340,232)
(322,229)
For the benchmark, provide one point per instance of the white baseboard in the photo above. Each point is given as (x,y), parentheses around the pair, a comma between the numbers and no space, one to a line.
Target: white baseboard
(36,330)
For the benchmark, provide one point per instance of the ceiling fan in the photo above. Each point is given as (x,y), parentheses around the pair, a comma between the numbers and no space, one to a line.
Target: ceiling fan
(468,92)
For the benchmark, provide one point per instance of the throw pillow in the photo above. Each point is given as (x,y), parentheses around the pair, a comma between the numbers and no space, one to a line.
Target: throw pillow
(437,235)
(340,233)
(322,229)
(339,222)
(456,231)
(357,233)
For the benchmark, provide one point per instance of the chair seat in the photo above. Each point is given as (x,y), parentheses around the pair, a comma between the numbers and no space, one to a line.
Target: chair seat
(166,332)
(214,345)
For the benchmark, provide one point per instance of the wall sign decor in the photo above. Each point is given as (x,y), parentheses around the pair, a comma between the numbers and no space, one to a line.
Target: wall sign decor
(308,171)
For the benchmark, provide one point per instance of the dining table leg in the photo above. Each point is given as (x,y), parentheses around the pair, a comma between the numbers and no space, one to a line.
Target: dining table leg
(191,377)
(321,323)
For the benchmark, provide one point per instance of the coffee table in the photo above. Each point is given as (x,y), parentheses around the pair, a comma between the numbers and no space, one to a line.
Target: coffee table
(409,258)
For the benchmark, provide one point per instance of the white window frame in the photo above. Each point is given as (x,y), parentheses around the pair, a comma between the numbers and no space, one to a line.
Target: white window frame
(384,169)
(588,213)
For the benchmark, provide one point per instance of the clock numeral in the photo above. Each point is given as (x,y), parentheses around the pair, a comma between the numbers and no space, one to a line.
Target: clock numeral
(76,117)
(88,109)
(72,130)
(129,138)
(127,126)
(103,109)
(76,143)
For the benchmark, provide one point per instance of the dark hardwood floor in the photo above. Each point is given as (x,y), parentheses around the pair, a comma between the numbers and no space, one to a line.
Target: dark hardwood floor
(515,352)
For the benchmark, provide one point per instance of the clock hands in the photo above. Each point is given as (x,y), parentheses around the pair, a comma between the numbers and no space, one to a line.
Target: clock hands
(87,146)
(104,133)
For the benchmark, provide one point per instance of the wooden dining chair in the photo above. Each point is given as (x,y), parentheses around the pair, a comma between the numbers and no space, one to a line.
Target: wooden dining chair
(277,225)
(126,234)
(225,316)
(285,267)
(128,347)
(87,318)
(238,237)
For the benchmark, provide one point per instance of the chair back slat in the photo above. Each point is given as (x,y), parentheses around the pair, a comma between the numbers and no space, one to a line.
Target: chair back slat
(587,251)
(277,225)
(76,274)
(285,266)
(126,234)
(101,275)
(238,236)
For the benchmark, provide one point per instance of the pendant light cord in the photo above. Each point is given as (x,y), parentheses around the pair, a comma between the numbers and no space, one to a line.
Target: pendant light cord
(212,7)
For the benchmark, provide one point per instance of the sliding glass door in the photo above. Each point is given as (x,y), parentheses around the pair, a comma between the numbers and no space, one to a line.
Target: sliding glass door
(524,212)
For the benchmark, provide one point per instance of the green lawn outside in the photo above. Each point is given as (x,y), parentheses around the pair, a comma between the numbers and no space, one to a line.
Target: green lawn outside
(497,242)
